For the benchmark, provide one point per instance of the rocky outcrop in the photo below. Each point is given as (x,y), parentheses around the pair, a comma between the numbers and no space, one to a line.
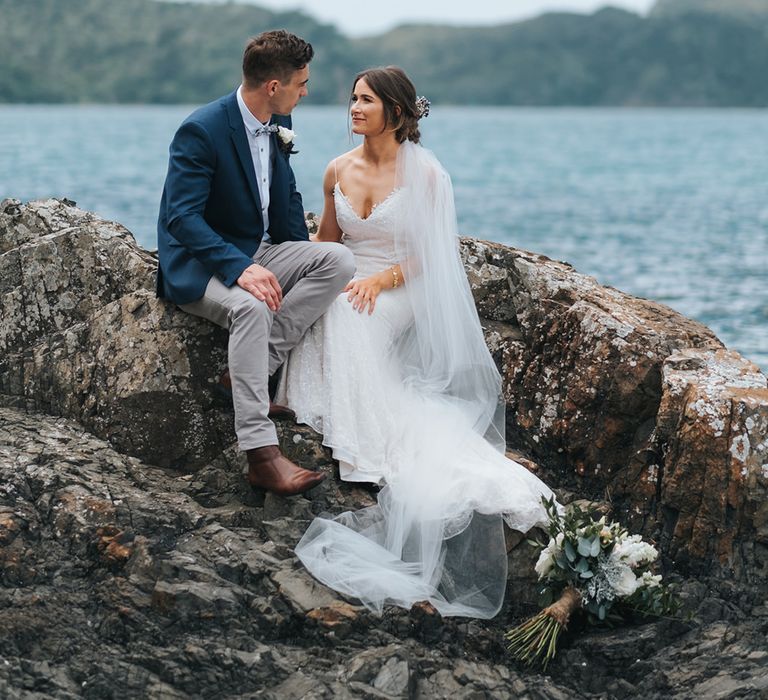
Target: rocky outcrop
(624,399)
(82,335)
(598,383)
(123,579)
(712,437)
(134,562)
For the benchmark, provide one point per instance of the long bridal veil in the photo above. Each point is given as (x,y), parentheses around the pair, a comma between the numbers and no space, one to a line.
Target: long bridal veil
(436,532)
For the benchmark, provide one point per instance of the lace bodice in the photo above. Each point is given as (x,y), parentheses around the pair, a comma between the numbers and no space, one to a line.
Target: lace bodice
(371,239)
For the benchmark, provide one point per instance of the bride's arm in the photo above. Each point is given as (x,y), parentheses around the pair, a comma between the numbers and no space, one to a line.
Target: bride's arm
(328,230)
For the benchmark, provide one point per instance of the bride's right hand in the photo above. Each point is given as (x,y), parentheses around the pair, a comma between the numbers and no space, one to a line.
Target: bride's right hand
(262,284)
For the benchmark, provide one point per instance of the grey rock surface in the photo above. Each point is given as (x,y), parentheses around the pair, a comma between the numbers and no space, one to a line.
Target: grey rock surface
(125,580)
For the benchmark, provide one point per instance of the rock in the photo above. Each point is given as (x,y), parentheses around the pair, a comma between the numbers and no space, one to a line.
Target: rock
(394,678)
(712,426)
(594,379)
(134,559)
(299,686)
(334,616)
(623,396)
(82,335)
(303,592)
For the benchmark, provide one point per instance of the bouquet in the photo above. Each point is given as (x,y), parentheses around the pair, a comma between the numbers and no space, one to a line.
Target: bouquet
(588,565)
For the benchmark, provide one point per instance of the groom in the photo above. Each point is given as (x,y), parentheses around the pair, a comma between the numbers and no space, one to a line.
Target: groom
(233,245)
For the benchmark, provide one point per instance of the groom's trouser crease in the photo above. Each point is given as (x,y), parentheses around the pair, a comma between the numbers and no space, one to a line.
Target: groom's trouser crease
(311,275)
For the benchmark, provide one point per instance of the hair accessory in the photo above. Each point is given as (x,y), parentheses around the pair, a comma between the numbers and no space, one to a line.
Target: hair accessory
(422,106)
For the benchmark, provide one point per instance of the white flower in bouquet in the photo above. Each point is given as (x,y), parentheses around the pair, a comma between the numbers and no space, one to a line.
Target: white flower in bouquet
(633,552)
(546,559)
(612,580)
(649,580)
(624,582)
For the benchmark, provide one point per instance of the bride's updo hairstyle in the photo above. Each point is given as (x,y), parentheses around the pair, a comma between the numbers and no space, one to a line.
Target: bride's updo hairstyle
(395,89)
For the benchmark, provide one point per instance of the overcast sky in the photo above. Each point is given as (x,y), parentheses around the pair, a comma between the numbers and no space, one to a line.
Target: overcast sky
(361,17)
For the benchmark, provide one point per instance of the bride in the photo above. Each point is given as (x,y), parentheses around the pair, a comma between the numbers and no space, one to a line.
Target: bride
(398,379)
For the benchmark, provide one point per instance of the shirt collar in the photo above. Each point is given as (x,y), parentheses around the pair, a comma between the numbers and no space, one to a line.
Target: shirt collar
(251,123)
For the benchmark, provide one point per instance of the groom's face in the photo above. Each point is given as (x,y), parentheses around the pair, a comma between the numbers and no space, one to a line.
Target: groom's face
(287,94)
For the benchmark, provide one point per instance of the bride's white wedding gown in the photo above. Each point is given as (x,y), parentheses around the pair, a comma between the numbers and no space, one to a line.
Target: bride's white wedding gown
(436,533)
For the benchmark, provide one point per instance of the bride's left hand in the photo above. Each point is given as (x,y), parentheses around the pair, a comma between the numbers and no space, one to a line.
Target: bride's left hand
(363,293)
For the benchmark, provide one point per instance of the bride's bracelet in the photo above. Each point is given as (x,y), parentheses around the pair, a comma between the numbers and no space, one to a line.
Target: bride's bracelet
(395,280)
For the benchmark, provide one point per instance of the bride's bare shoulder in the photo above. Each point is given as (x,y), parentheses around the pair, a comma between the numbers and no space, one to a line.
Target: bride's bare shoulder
(334,169)
(345,159)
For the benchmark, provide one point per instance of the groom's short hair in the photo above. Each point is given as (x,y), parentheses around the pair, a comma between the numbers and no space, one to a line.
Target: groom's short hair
(276,54)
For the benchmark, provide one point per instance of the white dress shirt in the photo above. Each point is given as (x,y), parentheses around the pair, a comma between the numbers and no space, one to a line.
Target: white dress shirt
(260,151)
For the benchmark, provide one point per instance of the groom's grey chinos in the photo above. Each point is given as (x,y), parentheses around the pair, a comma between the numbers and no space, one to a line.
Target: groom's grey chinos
(229,201)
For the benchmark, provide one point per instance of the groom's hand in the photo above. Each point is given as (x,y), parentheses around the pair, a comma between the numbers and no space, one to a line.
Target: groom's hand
(262,284)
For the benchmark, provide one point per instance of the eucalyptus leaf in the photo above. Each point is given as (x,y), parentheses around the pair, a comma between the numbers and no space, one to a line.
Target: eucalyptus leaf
(570,552)
(595,550)
(585,546)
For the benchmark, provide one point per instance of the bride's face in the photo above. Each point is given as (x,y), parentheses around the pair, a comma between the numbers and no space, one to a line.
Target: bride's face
(366,110)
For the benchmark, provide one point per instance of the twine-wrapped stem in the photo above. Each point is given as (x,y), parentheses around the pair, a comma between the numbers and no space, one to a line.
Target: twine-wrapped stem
(535,640)
(562,609)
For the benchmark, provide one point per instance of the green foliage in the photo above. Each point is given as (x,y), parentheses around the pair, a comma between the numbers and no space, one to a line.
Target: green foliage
(661,601)
(149,51)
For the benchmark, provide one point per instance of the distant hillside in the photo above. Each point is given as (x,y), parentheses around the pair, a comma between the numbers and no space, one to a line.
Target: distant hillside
(610,58)
(147,51)
(748,9)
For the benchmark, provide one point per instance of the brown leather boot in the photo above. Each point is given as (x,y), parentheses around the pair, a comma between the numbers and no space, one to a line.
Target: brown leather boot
(270,470)
(276,411)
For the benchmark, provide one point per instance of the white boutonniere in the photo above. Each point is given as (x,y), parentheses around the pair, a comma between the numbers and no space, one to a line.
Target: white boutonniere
(286,137)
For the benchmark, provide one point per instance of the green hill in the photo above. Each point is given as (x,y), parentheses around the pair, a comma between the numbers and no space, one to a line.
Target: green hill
(145,51)
(747,9)
(610,58)
(684,53)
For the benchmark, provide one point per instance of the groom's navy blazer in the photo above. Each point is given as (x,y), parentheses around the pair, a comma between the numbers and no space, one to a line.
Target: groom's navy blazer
(210,214)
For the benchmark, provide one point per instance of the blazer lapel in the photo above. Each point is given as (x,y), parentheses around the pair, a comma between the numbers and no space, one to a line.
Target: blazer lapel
(239,138)
(278,181)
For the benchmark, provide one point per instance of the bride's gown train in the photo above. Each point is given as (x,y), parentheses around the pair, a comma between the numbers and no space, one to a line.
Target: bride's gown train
(436,533)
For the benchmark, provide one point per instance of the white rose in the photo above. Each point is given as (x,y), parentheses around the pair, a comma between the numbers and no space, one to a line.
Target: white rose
(626,583)
(544,563)
(286,135)
(650,580)
(547,557)
(633,552)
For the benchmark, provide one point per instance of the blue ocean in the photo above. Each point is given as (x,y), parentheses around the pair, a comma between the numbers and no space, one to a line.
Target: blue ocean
(670,205)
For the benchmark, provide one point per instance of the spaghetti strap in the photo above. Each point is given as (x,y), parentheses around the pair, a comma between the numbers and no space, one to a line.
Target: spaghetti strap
(335,172)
